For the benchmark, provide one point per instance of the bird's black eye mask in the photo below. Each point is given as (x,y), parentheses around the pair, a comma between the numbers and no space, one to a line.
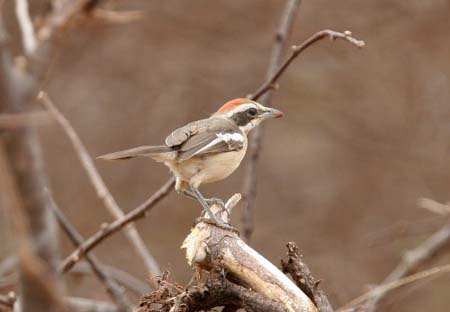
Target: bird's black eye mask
(244,117)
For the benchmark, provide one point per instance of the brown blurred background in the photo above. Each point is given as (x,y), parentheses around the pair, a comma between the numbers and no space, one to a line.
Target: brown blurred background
(365,134)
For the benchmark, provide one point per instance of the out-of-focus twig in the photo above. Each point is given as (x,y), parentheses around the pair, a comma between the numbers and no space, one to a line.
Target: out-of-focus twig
(411,260)
(282,34)
(434,206)
(24,174)
(123,278)
(26,26)
(114,290)
(298,49)
(274,73)
(107,230)
(302,276)
(99,185)
(384,288)
(116,17)
(14,121)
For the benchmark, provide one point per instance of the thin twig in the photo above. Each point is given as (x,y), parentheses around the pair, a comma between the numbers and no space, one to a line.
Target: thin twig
(107,230)
(19,120)
(377,291)
(286,23)
(99,185)
(114,290)
(298,49)
(411,260)
(123,278)
(26,27)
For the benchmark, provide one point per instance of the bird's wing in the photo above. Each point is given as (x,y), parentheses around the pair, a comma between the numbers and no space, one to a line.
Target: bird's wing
(205,137)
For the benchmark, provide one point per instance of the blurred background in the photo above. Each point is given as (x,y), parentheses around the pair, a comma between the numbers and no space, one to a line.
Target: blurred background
(366,133)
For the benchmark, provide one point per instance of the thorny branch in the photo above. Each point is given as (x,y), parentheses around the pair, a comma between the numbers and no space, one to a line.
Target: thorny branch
(303,278)
(106,230)
(99,185)
(249,189)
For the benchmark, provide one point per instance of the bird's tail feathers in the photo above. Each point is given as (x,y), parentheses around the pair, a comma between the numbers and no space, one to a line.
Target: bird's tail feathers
(137,152)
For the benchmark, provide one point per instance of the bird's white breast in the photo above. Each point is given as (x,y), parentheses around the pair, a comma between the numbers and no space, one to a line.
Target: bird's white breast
(210,167)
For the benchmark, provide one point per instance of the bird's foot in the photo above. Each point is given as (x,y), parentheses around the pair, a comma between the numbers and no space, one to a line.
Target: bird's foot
(218,223)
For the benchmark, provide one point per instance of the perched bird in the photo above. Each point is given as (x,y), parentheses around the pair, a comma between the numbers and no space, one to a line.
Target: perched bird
(206,150)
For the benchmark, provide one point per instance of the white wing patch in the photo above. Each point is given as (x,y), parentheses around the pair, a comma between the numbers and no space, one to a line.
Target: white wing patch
(232,139)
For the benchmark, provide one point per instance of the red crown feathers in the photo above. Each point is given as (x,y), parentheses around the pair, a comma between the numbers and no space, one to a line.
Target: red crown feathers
(232,104)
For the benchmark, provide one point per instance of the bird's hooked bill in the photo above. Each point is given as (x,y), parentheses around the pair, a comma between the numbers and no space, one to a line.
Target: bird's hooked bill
(272,113)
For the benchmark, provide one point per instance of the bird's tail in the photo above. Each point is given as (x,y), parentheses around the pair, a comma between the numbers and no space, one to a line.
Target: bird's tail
(137,152)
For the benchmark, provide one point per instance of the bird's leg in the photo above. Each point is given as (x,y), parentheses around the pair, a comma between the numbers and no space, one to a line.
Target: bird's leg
(209,201)
(206,207)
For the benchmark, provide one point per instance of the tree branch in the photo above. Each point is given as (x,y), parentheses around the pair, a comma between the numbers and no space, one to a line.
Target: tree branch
(114,290)
(216,292)
(297,50)
(411,260)
(211,248)
(302,276)
(384,288)
(249,190)
(100,187)
(107,230)
(26,26)
(123,278)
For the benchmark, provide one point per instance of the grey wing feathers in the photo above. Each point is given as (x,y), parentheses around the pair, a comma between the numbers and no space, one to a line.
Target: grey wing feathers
(215,137)
(136,152)
(180,135)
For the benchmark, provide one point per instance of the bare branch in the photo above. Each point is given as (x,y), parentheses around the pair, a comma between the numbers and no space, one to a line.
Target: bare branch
(23,167)
(384,288)
(100,187)
(26,27)
(411,260)
(434,206)
(107,230)
(216,292)
(121,277)
(287,20)
(114,290)
(303,278)
(19,120)
(297,50)
(211,248)
(115,17)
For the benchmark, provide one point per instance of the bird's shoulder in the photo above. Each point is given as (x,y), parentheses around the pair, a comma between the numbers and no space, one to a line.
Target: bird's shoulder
(200,130)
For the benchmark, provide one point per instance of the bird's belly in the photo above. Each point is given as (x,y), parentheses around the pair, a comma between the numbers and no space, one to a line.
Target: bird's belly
(208,168)
(218,167)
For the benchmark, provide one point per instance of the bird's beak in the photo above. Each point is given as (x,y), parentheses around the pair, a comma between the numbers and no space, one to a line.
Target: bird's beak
(271,113)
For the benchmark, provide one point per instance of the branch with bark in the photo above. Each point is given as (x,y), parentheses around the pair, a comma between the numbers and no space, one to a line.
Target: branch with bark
(300,273)
(238,276)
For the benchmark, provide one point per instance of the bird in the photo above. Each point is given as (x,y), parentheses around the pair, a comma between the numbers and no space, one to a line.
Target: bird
(206,150)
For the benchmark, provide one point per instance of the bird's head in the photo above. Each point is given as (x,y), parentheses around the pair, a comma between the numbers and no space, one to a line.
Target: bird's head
(246,113)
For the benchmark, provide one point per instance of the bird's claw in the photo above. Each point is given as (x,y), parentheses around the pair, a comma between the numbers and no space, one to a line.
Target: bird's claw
(218,223)
(215,201)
